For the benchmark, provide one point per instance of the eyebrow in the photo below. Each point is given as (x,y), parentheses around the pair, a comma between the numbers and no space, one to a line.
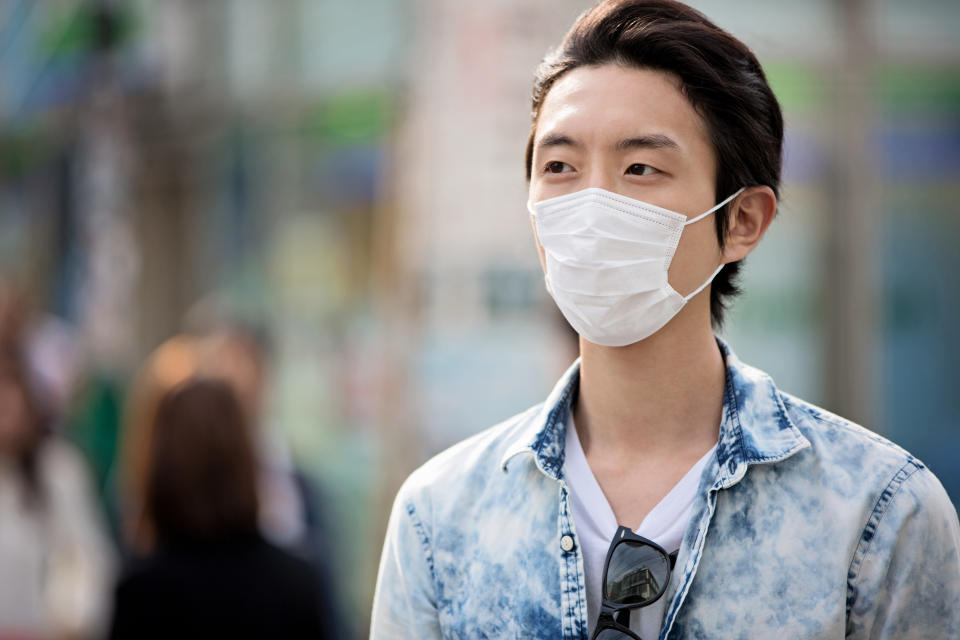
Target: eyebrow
(557,140)
(650,141)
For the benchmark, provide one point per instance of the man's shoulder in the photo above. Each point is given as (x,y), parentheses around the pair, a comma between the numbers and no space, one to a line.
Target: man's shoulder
(820,445)
(833,435)
(851,457)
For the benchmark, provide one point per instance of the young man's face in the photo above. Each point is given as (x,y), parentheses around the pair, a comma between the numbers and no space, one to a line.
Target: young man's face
(631,131)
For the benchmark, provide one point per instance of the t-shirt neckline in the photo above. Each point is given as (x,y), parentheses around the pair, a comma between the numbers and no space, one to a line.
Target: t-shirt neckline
(657,520)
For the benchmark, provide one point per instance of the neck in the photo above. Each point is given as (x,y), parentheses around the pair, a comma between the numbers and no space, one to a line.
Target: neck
(660,396)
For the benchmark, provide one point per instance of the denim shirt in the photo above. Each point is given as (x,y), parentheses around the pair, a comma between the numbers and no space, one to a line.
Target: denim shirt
(805,526)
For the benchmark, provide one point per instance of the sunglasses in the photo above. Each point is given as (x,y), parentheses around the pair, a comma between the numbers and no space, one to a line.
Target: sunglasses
(635,574)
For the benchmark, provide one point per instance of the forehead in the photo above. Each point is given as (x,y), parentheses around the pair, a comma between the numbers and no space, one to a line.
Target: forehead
(606,102)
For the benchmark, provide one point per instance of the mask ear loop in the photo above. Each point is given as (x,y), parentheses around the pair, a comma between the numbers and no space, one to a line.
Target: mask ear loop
(709,211)
(703,286)
(688,297)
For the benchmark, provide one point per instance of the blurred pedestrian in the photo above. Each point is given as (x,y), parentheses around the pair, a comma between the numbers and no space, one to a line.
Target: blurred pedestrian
(239,357)
(56,561)
(292,512)
(211,573)
(52,351)
(173,362)
(79,399)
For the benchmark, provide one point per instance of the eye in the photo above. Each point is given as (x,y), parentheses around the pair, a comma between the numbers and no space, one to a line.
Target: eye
(637,169)
(557,167)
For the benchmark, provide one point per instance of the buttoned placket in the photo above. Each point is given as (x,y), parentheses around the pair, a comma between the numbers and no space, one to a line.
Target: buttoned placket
(693,558)
(724,478)
(573,595)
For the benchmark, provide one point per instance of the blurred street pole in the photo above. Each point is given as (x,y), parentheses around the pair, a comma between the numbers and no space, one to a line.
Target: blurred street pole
(109,272)
(853,310)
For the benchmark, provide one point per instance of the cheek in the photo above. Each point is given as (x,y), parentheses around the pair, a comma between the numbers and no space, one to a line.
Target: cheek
(697,256)
(536,240)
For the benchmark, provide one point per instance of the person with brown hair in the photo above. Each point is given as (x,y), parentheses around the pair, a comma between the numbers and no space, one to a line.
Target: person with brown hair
(211,574)
(56,560)
(176,360)
(664,489)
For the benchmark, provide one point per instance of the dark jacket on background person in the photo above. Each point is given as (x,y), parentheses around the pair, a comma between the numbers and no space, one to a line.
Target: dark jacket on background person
(242,587)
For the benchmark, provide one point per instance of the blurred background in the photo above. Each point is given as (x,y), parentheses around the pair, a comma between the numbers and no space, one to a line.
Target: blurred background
(340,183)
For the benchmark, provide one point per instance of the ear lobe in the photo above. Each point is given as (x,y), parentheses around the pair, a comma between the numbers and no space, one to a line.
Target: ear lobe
(749,217)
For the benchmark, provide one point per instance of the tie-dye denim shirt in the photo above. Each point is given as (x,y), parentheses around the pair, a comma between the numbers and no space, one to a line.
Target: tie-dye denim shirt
(805,526)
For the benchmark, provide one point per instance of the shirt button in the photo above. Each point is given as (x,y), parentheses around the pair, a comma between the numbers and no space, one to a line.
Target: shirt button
(566,543)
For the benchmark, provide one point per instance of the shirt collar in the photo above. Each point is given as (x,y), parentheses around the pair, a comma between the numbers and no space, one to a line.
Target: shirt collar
(544,435)
(755,428)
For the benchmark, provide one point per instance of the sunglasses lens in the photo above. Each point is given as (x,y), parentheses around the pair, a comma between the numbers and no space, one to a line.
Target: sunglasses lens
(637,574)
(614,634)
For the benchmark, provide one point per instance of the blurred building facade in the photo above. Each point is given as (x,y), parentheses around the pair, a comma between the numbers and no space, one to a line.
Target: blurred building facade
(349,175)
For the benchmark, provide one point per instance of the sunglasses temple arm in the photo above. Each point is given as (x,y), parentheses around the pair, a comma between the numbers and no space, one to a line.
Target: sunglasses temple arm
(673,559)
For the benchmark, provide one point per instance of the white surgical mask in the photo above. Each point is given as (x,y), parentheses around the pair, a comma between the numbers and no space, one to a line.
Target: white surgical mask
(607,259)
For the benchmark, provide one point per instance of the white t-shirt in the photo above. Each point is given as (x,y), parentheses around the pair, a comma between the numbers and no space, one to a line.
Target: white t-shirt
(596,526)
(56,560)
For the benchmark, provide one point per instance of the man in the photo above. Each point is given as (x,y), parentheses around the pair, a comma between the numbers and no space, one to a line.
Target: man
(654,166)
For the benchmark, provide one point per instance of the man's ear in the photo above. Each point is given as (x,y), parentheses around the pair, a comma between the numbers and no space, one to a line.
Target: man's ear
(749,216)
